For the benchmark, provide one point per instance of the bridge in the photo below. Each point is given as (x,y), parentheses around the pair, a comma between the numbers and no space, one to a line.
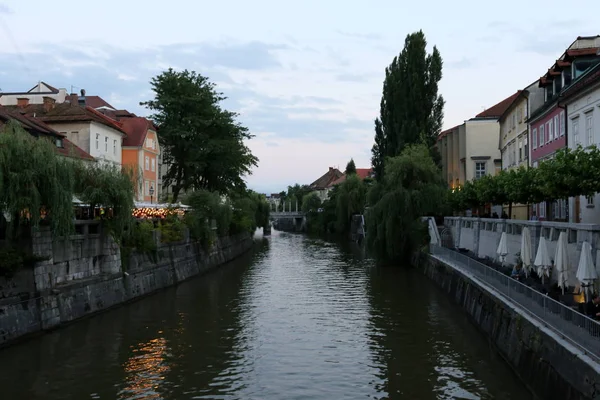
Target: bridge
(286,214)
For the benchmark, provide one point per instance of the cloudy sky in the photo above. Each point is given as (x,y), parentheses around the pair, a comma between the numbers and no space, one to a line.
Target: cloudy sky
(306,76)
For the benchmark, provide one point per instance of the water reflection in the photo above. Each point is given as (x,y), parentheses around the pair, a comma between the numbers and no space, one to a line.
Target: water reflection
(299,318)
(145,370)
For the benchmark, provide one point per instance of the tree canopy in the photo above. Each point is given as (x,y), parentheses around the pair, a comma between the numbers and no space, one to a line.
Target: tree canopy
(412,188)
(350,167)
(202,143)
(411,110)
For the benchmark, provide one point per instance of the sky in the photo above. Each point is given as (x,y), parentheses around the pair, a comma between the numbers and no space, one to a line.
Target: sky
(306,78)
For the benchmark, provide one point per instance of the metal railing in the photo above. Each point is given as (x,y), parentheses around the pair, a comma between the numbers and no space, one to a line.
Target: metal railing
(578,329)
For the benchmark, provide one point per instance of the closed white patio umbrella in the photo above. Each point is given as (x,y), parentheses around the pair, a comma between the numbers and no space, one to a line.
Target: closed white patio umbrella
(586,273)
(542,259)
(502,248)
(526,250)
(561,261)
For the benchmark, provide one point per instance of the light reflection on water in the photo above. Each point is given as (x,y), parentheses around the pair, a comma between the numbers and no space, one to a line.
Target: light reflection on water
(301,318)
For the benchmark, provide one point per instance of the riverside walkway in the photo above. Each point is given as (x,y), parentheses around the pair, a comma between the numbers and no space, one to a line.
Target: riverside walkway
(574,327)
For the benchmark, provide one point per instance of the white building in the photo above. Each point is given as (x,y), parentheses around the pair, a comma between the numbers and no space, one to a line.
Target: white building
(582,101)
(35,95)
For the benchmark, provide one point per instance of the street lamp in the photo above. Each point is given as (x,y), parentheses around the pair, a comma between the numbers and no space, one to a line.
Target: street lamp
(151,193)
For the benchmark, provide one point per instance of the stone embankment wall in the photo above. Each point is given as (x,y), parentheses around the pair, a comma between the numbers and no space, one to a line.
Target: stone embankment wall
(548,365)
(84,275)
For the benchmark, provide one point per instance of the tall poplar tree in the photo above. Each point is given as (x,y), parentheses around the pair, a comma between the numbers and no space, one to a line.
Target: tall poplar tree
(411,110)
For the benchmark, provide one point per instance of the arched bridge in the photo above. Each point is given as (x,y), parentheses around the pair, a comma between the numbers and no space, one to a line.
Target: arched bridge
(288,220)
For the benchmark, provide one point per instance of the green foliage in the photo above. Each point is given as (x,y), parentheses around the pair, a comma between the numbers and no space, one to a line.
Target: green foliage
(294,194)
(351,199)
(33,177)
(412,188)
(570,173)
(111,188)
(202,144)
(311,203)
(12,259)
(171,229)
(411,111)
(350,167)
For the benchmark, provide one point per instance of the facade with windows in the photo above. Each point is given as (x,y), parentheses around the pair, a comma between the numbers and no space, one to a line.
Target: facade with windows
(141,152)
(548,125)
(470,151)
(582,101)
(514,141)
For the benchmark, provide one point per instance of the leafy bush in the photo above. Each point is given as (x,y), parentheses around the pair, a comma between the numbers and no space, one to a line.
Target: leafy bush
(12,259)
(171,229)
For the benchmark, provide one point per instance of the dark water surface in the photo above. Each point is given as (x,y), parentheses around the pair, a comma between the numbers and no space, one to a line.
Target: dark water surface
(298,319)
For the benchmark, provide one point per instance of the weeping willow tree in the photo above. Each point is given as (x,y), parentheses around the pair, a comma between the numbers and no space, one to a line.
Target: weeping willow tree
(412,187)
(351,198)
(110,187)
(36,184)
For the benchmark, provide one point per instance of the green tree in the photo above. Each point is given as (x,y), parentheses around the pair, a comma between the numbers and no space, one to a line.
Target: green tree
(412,188)
(311,203)
(34,181)
(350,167)
(351,199)
(411,110)
(202,144)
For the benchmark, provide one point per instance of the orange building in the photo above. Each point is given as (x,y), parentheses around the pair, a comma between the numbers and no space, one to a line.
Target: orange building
(141,152)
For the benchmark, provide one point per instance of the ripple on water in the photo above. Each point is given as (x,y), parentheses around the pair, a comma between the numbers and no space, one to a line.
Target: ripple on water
(301,319)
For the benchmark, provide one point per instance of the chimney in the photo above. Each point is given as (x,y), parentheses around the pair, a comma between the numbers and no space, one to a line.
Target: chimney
(22,102)
(48,103)
(330,169)
(73,99)
(81,101)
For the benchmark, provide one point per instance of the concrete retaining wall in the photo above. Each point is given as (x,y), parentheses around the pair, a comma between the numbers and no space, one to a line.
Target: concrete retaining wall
(549,366)
(83,275)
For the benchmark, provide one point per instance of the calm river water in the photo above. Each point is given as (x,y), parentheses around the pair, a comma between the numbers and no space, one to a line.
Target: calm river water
(299,318)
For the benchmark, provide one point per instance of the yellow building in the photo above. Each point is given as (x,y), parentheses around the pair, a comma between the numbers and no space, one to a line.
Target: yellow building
(470,150)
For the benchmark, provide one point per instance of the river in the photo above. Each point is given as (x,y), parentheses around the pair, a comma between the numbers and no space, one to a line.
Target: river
(297,318)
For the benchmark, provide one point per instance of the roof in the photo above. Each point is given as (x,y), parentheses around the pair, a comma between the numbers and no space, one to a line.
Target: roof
(136,129)
(447,131)
(325,180)
(498,109)
(589,77)
(97,102)
(362,173)
(36,127)
(69,149)
(519,96)
(52,90)
(66,112)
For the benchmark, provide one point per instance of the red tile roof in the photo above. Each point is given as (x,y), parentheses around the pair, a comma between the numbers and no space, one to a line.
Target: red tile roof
(497,110)
(362,173)
(37,127)
(447,131)
(66,112)
(97,102)
(325,180)
(136,129)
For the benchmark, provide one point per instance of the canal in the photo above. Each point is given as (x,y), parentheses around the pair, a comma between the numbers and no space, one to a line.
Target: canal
(298,318)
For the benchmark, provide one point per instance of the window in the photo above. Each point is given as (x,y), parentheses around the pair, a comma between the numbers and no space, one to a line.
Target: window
(520,150)
(590,200)
(534,137)
(147,188)
(543,210)
(519,115)
(147,164)
(525,112)
(97,141)
(576,140)
(59,143)
(514,121)
(555,127)
(549,131)
(562,123)
(589,127)
(541,135)
(566,75)
(106,143)
(153,163)
(526,148)
(114,147)
(479,169)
